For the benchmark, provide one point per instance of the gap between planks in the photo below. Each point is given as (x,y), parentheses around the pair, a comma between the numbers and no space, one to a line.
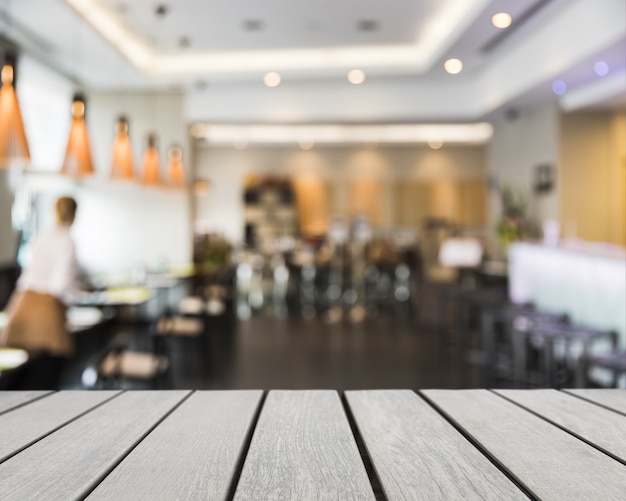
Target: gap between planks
(485,452)
(561,427)
(245,448)
(99,479)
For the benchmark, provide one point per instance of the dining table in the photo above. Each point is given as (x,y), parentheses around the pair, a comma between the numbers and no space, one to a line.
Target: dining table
(313,444)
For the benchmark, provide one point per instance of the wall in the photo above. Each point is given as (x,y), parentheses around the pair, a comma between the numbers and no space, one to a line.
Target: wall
(347,174)
(518,146)
(593,159)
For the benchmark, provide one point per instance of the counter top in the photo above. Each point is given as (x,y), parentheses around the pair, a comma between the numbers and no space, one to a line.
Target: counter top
(432,444)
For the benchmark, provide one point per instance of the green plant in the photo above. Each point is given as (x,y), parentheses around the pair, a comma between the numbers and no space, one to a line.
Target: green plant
(513,225)
(211,254)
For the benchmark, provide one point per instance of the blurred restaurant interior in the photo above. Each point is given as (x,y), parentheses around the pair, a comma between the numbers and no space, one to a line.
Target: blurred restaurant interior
(357,194)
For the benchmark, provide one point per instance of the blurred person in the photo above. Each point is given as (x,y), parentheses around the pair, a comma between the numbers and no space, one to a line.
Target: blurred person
(37,309)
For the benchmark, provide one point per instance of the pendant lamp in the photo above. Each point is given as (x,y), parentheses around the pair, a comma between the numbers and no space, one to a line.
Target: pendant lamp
(151,165)
(175,167)
(13,143)
(77,160)
(122,165)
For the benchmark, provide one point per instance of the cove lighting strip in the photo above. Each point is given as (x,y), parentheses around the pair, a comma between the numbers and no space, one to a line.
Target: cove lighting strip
(450,19)
(477,133)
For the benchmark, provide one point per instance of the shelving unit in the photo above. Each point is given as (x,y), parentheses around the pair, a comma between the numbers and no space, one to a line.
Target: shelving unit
(270,212)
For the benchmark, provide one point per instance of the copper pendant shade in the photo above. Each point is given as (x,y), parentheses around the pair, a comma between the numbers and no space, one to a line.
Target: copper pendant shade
(77,160)
(13,143)
(175,167)
(122,165)
(151,167)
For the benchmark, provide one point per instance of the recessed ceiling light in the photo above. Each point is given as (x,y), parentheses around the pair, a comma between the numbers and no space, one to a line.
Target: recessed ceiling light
(417,56)
(435,143)
(601,69)
(367,25)
(161,10)
(253,25)
(501,20)
(559,87)
(306,143)
(356,77)
(453,66)
(272,79)
(198,131)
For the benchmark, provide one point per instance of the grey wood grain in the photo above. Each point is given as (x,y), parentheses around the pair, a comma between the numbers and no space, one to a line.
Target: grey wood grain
(550,462)
(603,428)
(27,424)
(303,448)
(69,462)
(612,398)
(417,454)
(11,399)
(192,454)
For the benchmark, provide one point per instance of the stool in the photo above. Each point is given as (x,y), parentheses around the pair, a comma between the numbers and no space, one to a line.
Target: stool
(505,315)
(614,361)
(545,334)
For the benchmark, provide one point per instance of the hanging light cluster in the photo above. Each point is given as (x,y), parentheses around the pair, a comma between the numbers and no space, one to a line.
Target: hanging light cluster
(78,159)
(175,167)
(122,163)
(151,164)
(13,143)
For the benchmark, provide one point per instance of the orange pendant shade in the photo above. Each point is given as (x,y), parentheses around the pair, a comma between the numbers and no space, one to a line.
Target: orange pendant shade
(175,167)
(13,143)
(77,160)
(122,165)
(151,167)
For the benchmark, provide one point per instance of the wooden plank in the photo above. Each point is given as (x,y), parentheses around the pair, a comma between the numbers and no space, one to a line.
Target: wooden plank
(193,454)
(417,454)
(303,448)
(550,462)
(70,462)
(612,398)
(601,427)
(12,399)
(25,425)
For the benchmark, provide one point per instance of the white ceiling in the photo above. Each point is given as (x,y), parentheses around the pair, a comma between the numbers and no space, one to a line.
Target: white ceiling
(400,44)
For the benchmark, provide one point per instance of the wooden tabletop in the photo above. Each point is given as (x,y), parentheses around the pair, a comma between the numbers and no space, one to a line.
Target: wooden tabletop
(310,445)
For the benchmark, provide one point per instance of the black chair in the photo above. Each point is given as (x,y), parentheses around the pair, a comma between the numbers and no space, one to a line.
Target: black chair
(498,351)
(543,335)
(613,361)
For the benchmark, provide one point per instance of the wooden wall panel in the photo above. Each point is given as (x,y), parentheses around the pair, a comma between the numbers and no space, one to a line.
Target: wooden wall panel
(473,203)
(390,204)
(313,205)
(413,200)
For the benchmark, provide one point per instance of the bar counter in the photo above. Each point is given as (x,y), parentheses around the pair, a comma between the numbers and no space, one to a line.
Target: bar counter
(317,444)
(585,281)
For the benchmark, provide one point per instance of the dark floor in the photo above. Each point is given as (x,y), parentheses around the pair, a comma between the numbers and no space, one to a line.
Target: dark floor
(390,351)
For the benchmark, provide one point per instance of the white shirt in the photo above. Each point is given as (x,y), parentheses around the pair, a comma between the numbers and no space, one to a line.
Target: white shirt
(52,268)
